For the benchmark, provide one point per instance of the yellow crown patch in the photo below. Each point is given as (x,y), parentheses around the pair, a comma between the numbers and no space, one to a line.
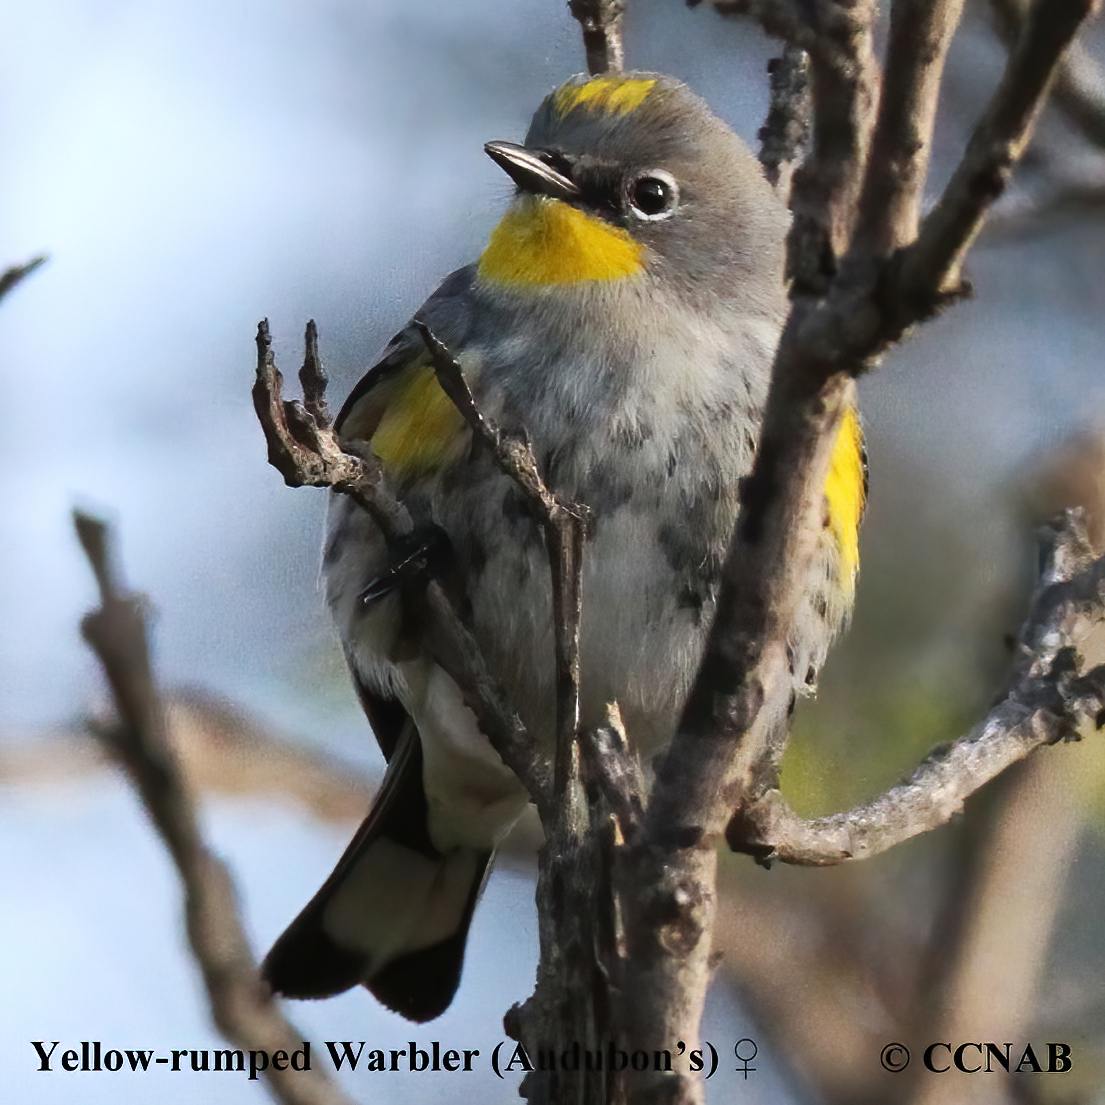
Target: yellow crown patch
(615,95)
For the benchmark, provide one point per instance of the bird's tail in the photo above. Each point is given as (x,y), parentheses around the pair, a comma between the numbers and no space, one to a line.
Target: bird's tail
(393,915)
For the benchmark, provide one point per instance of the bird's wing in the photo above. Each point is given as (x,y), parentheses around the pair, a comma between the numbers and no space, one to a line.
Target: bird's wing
(398,411)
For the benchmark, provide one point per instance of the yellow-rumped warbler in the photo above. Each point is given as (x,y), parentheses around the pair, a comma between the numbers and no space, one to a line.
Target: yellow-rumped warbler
(624,317)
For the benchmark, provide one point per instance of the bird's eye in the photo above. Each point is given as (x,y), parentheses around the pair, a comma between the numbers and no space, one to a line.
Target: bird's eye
(653,195)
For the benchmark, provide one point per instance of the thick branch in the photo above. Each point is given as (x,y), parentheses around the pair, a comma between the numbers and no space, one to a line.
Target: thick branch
(920,34)
(601,21)
(306,451)
(839,321)
(242,1007)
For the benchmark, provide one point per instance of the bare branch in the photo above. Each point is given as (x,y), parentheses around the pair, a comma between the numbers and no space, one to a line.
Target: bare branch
(841,318)
(1079,89)
(931,264)
(786,131)
(837,35)
(307,452)
(609,762)
(1048,701)
(785,19)
(920,34)
(242,1006)
(601,21)
(827,185)
(17,273)
(313,380)
(512,455)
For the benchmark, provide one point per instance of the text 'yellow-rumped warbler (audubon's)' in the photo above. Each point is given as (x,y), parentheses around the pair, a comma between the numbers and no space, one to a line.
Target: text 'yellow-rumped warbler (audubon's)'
(624,317)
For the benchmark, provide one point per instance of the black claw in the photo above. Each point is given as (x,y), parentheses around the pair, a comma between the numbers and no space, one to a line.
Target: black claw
(416,558)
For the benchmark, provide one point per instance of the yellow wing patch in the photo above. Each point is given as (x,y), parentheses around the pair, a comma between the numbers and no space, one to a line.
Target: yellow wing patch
(846,492)
(419,429)
(615,95)
(543,241)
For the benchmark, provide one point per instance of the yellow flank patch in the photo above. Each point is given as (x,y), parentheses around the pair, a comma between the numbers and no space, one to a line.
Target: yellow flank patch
(616,95)
(845,491)
(420,430)
(543,241)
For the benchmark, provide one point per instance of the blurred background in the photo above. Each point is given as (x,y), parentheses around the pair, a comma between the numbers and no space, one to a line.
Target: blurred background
(193,169)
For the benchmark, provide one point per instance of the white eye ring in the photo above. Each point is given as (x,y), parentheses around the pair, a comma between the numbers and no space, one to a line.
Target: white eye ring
(653,195)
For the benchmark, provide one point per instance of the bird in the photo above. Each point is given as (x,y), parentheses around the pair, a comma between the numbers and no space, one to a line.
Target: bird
(622,318)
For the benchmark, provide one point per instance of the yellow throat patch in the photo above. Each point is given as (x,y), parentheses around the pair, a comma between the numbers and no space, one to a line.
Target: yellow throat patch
(544,241)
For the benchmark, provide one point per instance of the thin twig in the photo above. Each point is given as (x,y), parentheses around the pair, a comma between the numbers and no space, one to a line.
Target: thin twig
(241,1005)
(17,273)
(786,131)
(609,762)
(313,380)
(932,263)
(1079,89)
(601,21)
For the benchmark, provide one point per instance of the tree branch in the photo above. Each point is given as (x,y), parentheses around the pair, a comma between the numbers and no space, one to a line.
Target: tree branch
(601,21)
(574,888)
(17,273)
(826,186)
(931,264)
(841,318)
(785,134)
(837,36)
(242,1006)
(1048,701)
(920,34)
(1079,89)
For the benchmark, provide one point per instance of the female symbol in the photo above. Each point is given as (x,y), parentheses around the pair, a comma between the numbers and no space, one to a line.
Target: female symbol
(745,1059)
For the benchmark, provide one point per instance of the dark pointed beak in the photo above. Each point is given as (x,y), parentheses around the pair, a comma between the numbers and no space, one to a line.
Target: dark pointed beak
(530,171)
